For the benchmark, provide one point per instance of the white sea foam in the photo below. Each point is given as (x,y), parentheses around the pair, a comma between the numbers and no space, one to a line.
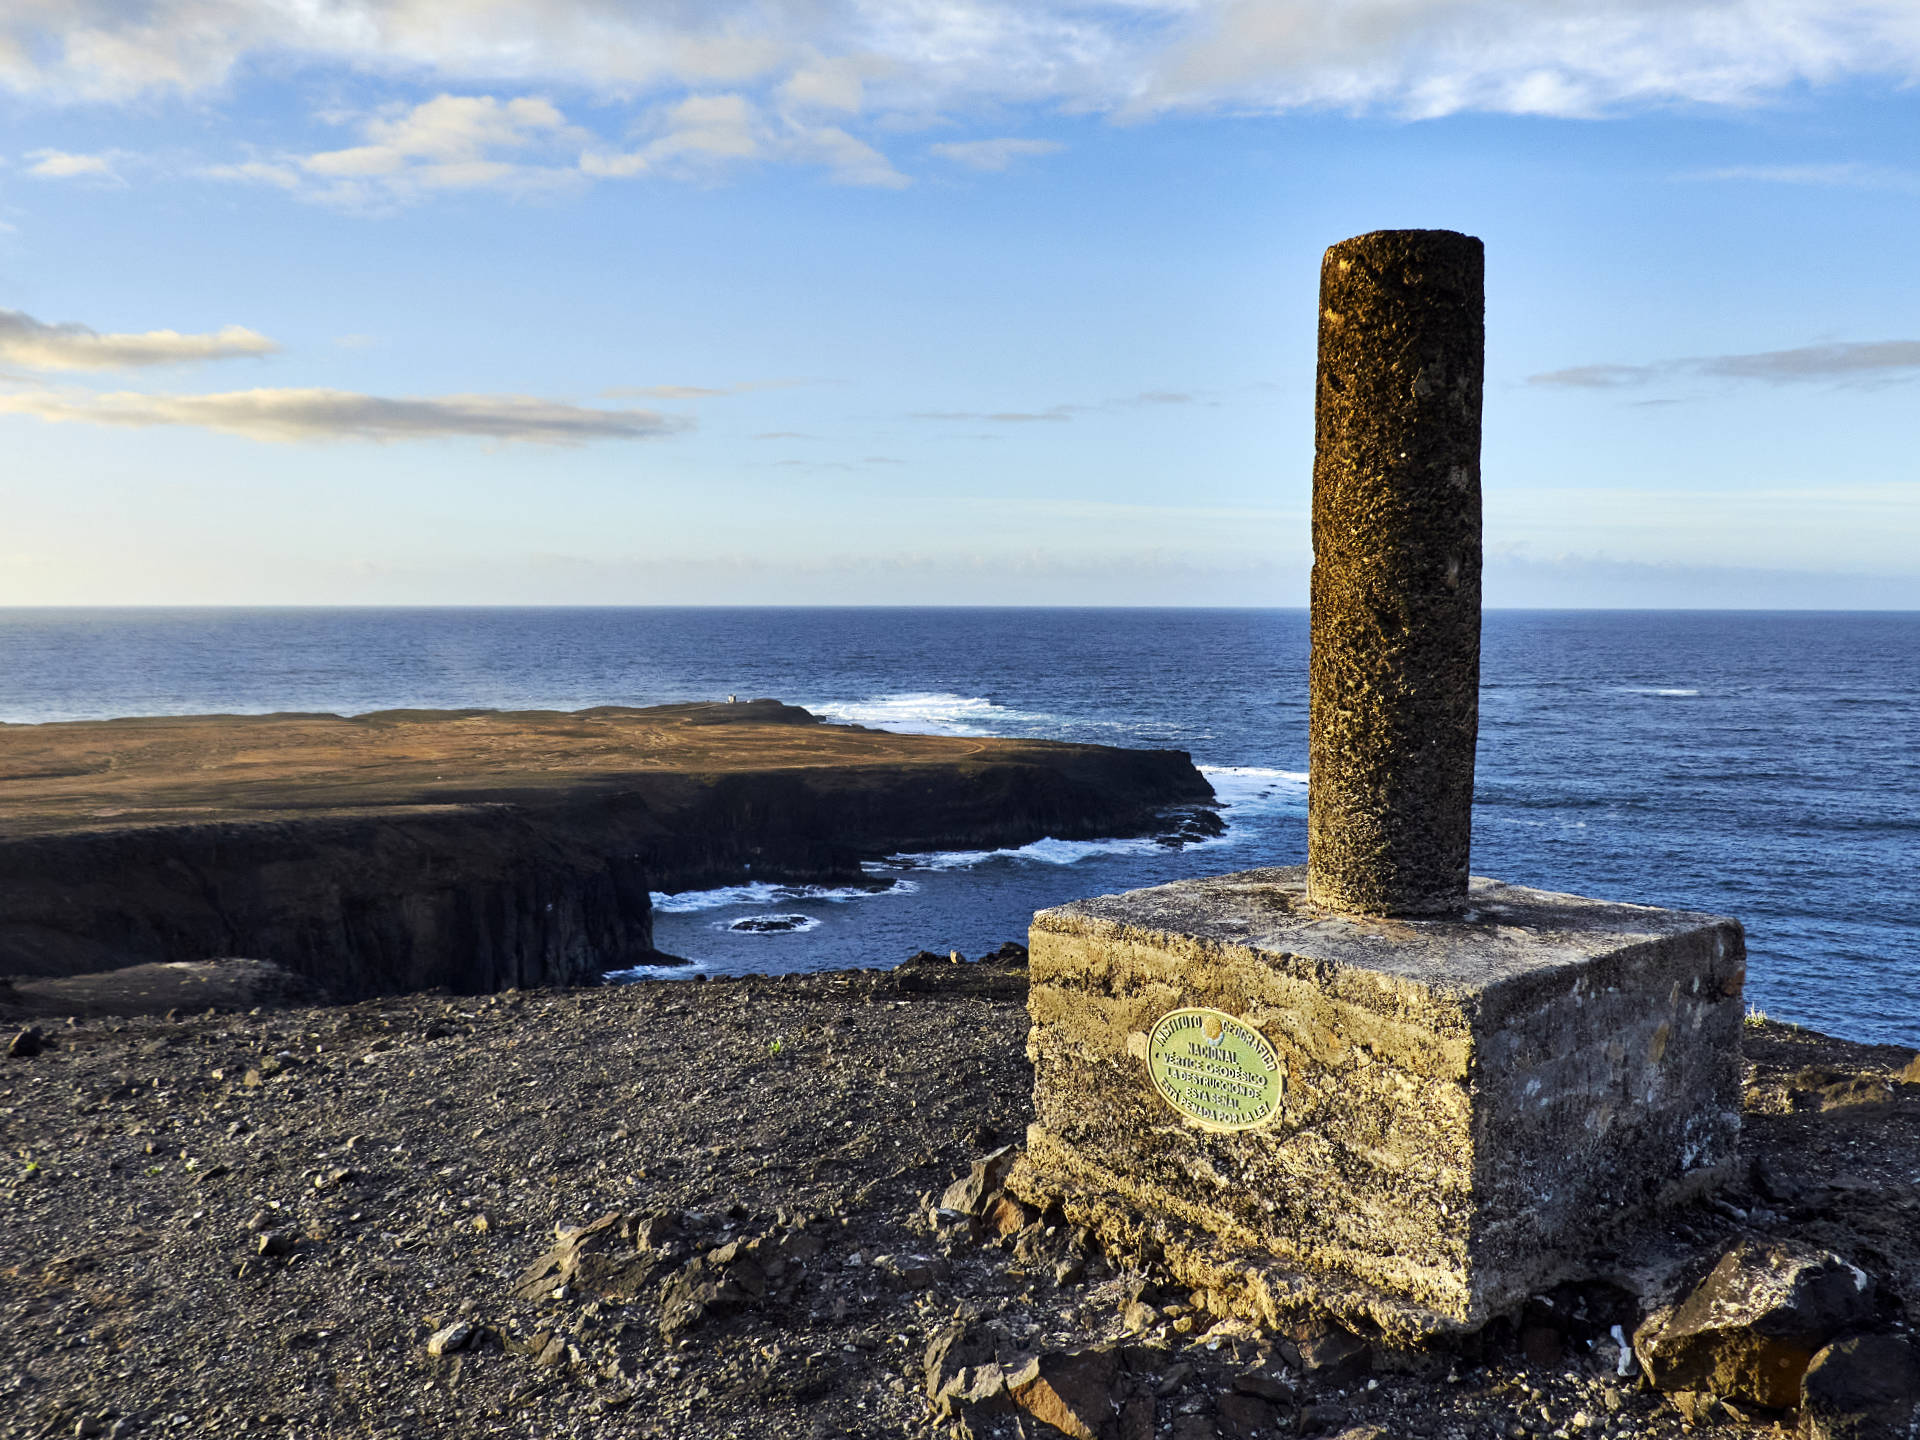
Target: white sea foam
(1659,690)
(930,712)
(1065,852)
(1047,851)
(1242,790)
(764,893)
(1258,789)
(635,973)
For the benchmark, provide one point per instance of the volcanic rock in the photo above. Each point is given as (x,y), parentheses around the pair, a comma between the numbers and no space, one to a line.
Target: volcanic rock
(973,1193)
(450,1338)
(1749,1330)
(1863,1388)
(1071,1391)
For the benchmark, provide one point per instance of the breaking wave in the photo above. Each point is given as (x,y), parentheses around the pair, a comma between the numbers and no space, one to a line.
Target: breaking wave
(1258,789)
(933,712)
(1047,851)
(761,892)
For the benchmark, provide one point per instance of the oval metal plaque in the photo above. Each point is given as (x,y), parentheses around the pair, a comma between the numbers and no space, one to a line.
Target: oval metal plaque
(1214,1069)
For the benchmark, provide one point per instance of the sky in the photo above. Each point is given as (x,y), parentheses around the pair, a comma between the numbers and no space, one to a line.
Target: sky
(935,301)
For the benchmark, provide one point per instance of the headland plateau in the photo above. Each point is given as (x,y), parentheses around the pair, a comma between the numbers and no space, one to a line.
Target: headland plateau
(477,850)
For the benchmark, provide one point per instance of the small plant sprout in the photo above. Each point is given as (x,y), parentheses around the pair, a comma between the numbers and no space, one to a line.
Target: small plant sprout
(776,1045)
(1756,1017)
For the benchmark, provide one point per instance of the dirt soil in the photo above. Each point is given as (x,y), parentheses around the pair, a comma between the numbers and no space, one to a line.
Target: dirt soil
(349,1221)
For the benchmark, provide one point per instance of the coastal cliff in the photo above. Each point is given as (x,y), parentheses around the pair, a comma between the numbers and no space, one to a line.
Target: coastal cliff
(480,850)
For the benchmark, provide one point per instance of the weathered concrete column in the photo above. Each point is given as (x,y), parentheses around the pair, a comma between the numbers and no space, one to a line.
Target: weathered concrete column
(1395,672)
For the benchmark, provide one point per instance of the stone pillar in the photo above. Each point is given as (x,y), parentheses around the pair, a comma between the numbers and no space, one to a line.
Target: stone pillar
(1395,668)
(1366,1086)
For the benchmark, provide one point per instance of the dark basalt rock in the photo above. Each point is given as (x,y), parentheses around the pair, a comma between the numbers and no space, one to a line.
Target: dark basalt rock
(1863,1388)
(772,924)
(1750,1329)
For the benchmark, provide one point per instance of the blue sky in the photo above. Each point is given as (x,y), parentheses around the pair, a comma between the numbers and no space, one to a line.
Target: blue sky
(444,301)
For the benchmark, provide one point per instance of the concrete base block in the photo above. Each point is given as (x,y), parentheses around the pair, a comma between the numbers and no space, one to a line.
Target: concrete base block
(1412,1123)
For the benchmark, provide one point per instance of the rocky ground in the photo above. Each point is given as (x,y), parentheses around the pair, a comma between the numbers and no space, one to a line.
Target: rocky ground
(731,1209)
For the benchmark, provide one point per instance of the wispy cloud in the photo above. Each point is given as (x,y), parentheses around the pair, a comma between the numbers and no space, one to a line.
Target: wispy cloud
(697,392)
(449,143)
(315,415)
(848,466)
(526,146)
(706,134)
(1864,360)
(1059,414)
(1852,362)
(993,154)
(1839,175)
(65,165)
(40,346)
(1596,377)
(1053,415)
(1830,523)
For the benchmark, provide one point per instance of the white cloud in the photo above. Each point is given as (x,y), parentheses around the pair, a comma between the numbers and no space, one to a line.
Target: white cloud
(257,172)
(705,134)
(451,142)
(1418,57)
(525,145)
(1545,57)
(993,154)
(64,165)
(40,346)
(312,414)
(831,84)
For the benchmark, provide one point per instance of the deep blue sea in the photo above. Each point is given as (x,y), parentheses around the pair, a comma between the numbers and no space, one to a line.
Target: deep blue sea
(1761,765)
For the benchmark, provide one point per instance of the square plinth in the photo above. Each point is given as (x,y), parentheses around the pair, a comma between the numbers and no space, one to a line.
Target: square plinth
(1422,1121)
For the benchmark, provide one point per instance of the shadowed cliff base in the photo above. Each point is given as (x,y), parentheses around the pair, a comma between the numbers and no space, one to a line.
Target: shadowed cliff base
(476,850)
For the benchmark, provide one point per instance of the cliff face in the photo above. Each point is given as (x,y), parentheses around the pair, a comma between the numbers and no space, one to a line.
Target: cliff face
(480,898)
(316,844)
(818,826)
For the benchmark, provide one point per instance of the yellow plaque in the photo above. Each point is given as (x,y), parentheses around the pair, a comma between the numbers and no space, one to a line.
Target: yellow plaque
(1214,1069)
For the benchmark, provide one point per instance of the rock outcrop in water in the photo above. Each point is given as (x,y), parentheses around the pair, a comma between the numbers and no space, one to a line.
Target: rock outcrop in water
(480,850)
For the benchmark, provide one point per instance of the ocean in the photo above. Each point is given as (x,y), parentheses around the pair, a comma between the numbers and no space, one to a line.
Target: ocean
(1761,765)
